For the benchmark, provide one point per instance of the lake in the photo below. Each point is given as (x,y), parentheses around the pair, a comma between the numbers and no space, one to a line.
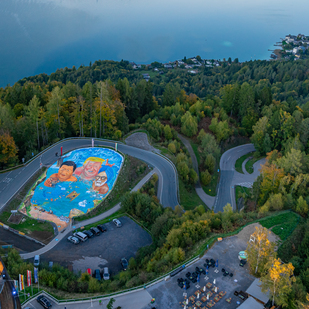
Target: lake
(43,35)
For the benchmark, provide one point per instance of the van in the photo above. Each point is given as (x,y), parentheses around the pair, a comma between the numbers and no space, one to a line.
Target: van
(36,260)
(81,236)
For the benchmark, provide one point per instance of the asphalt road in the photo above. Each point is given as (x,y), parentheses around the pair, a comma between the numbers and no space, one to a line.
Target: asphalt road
(229,178)
(12,181)
(104,250)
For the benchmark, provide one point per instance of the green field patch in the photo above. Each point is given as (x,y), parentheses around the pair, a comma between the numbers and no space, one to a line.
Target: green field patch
(239,162)
(282,225)
(249,164)
(188,197)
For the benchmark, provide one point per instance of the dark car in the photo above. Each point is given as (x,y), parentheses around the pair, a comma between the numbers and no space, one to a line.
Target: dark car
(242,263)
(124,264)
(88,233)
(42,300)
(102,228)
(95,231)
(97,274)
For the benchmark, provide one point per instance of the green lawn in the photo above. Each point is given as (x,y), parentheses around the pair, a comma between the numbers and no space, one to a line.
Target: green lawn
(188,199)
(211,189)
(283,224)
(239,162)
(151,73)
(249,164)
(196,152)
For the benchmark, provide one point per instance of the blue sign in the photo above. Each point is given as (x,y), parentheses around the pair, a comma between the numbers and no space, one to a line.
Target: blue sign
(35,271)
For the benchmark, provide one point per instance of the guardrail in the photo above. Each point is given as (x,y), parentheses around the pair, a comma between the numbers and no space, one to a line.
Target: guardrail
(55,144)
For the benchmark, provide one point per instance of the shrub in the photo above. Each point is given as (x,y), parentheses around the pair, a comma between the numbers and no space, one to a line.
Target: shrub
(205,178)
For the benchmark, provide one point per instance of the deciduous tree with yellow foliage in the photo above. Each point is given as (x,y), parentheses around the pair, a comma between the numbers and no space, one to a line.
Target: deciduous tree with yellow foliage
(260,250)
(278,281)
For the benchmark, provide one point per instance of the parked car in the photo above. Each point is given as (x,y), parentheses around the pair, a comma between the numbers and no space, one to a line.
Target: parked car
(88,233)
(102,228)
(36,261)
(117,222)
(74,240)
(106,274)
(81,236)
(124,263)
(97,274)
(242,263)
(42,300)
(95,231)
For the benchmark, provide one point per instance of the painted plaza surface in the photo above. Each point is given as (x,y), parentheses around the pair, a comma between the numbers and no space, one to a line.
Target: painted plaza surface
(73,185)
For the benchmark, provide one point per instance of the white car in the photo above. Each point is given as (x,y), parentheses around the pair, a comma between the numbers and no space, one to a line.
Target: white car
(117,222)
(106,273)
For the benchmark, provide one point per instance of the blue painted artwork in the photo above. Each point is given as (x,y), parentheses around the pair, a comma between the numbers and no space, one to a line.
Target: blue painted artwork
(76,183)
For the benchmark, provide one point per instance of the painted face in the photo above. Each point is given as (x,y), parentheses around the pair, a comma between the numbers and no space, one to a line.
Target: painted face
(65,172)
(91,169)
(100,179)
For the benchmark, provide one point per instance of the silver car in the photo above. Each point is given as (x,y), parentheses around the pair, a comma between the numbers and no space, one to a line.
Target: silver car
(117,222)
(73,240)
(106,273)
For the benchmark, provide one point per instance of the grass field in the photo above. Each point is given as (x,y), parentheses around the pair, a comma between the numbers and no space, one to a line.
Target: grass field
(249,164)
(197,154)
(211,189)
(282,225)
(239,162)
(151,73)
(188,199)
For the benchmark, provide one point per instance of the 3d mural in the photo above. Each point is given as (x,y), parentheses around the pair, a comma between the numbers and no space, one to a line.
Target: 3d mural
(75,184)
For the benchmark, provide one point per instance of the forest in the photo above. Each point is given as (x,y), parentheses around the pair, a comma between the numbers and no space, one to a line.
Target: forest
(265,102)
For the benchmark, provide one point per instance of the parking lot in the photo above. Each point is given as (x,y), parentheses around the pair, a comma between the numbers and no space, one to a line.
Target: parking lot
(100,251)
(168,294)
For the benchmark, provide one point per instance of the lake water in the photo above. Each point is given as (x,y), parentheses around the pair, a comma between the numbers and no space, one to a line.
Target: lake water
(43,35)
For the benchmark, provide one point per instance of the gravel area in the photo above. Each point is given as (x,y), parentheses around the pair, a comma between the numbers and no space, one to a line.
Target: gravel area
(139,140)
(248,230)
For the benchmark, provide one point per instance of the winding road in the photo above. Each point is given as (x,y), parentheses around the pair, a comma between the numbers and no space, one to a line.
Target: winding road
(229,178)
(11,182)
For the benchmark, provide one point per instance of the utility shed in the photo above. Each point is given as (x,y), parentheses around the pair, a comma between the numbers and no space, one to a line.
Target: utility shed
(255,291)
(251,303)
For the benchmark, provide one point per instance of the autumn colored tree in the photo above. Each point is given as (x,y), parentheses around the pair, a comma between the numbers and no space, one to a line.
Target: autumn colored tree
(278,281)
(271,175)
(259,250)
(8,149)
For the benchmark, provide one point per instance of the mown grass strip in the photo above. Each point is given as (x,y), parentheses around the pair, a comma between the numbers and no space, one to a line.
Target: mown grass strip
(239,162)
